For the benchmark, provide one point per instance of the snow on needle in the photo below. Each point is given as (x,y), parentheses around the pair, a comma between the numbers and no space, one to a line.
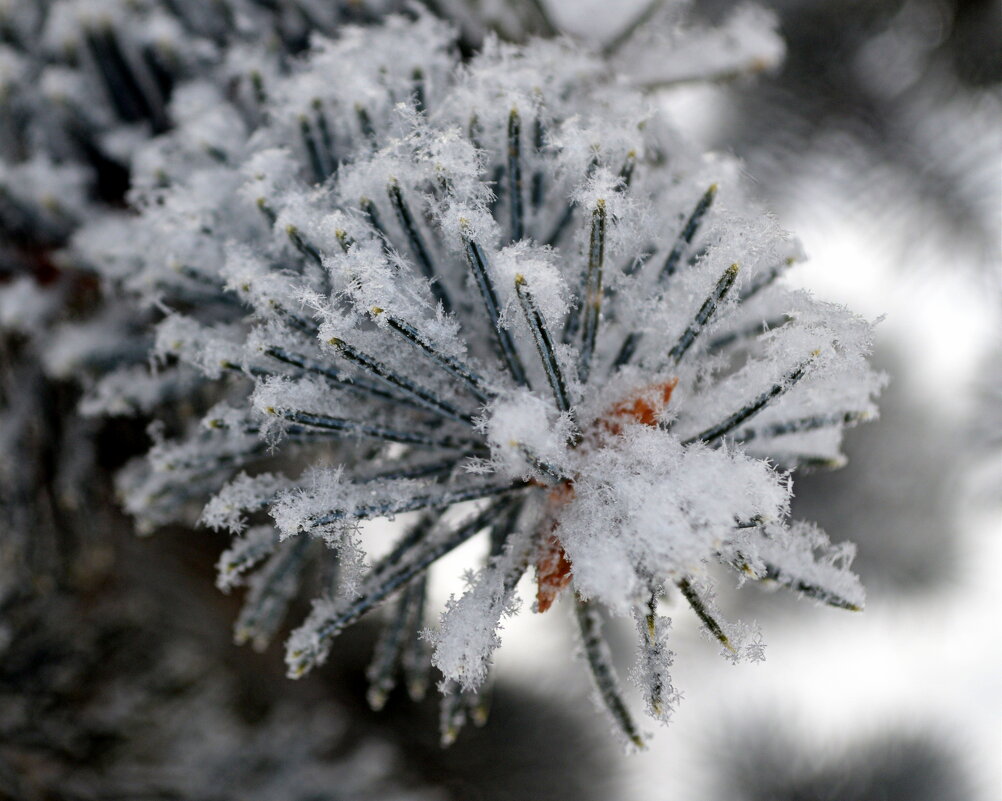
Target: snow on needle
(488,296)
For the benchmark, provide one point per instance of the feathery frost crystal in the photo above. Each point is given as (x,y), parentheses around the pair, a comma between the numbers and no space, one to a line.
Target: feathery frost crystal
(497,296)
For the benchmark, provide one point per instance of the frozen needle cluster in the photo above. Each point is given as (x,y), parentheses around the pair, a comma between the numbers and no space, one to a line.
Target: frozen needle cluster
(83,85)
(493,297)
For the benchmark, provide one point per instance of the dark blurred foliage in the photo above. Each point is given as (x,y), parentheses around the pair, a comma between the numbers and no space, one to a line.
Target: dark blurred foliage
(907,93)
(534,746)
(121,683)
(771,763)
(45,494)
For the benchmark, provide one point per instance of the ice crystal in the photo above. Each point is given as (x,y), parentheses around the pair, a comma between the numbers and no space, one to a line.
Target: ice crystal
(496,295)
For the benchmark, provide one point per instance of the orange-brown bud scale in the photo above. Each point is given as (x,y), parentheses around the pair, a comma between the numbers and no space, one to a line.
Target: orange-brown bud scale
(553,568)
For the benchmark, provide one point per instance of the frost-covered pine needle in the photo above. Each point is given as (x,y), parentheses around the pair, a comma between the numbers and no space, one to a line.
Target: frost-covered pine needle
(500,296)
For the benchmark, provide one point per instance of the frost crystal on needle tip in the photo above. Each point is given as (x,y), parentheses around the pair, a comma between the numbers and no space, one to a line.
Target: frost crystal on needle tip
(495,296)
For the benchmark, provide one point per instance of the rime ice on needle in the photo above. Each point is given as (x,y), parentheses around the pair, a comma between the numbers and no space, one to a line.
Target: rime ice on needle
(499,296)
